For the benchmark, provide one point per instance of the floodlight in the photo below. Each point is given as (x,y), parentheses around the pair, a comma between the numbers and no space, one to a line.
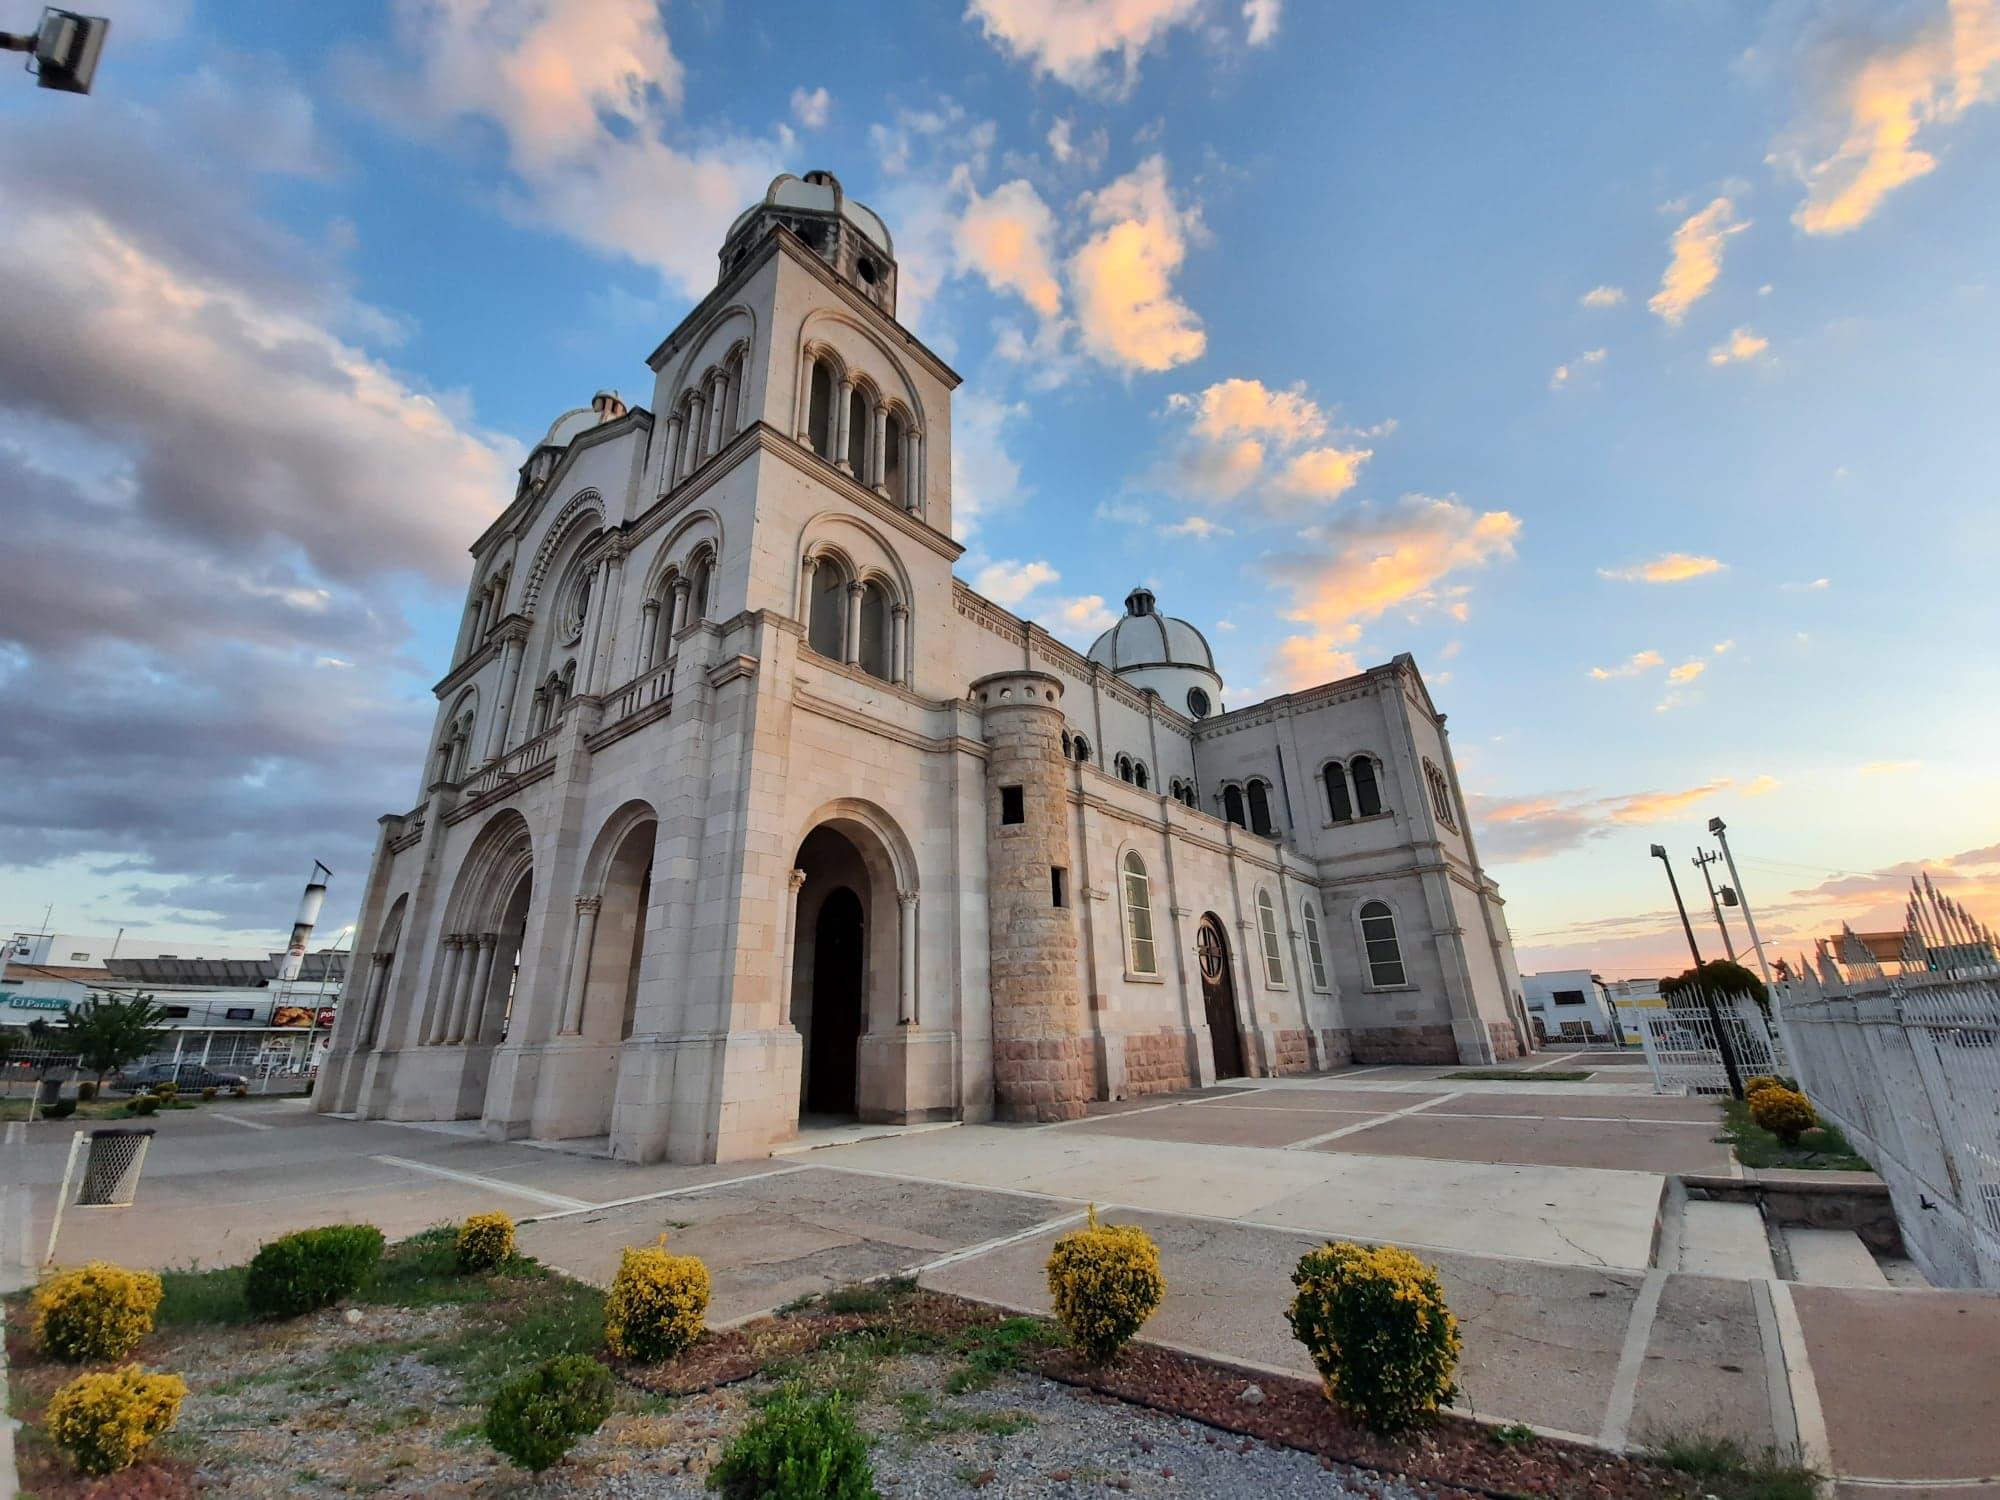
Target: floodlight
(63,50)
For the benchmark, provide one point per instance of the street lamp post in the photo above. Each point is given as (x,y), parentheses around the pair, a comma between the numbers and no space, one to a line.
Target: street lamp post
(1721,831)
(1702,861)
(1722,1039)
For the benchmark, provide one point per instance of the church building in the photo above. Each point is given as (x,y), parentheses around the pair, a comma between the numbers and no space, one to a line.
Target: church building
(742,810)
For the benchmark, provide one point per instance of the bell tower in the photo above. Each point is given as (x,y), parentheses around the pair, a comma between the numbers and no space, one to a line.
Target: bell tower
(844,233)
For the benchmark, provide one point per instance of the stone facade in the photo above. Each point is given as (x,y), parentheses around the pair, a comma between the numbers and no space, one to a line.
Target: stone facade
(717,832)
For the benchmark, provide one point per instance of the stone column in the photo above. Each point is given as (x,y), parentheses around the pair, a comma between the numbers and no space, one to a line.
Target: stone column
(899,619)
(718,412)
(454,947)
(852,652)
(842,394)
(909,468)
(579,964)
(914,486)
(669,476)
(1041,1057)
(805,401)
(906,985)
(785,953)
(808,572)
(697,408)
(605,642)
(683,588)
(465,1026)
(876,449)
(649,633)
(371,1012)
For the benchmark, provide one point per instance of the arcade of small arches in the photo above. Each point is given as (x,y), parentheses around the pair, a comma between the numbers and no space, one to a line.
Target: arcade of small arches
(1132,771)
(708,414)
(1247,804)
(1363,775)
(855,614)
(844,418)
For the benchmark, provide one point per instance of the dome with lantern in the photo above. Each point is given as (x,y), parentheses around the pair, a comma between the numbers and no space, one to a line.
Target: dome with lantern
(1152,650)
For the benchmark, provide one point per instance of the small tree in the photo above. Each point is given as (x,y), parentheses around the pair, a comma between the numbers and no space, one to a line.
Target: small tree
(1721,979)
(108,1031)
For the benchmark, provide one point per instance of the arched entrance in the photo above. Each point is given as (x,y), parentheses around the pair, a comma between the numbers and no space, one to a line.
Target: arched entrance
(1218,997)
(833,1035)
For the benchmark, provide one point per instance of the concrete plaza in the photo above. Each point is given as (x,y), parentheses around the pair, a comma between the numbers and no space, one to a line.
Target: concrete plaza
(1596,1300)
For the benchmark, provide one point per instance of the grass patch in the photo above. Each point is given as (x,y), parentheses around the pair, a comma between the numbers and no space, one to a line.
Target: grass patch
(1000,1350)
(1826,1150)
(1727,1470)
(202,1299)
(849,1364)
(923,1419)
(1515,1435)
(859,1299)
(1519,1075)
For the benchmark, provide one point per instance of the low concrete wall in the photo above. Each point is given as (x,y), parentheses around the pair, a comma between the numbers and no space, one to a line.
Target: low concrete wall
(1812,1200)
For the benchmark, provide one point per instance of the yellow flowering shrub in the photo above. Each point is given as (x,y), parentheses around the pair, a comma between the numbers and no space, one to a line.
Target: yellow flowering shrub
(485,1243)
(104,1420)
(1105,1282)
(97,1312)
(657,1306)
(1784,1112)
(1375,1323)
(1751,1086)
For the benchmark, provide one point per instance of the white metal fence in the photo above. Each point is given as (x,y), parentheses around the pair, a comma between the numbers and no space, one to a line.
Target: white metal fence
(1908,1066)
(1682,1052)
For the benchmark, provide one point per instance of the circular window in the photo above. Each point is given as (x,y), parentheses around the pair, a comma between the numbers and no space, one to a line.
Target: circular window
(1198,703)
(867,269)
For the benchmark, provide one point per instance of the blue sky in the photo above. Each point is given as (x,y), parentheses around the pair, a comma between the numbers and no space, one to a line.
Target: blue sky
(1630,366)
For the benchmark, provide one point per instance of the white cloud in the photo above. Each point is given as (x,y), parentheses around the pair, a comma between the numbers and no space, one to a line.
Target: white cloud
(1008,237)
(1697,259)
(1122,277)
(1562,375)
(1243,433)
(811,108)
(1639,661)
(1603,296)
(1198,526)
(1097,44)
(1669,567)
(984,475)
(1741,345)
(1008,583)
(1814,586)
(1263,18)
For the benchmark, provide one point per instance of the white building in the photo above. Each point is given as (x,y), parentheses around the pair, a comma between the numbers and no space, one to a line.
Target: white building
(741,807)
(1570,1005)
(84,950)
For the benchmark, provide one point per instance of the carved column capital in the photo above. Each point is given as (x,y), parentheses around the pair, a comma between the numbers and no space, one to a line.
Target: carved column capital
(797,879)
(588,903)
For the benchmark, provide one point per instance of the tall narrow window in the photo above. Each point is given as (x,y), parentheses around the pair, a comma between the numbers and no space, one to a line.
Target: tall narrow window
(1081,748)
(819,410)
(704,571)
(1140,777)
(732,393)
(1385,954)
(828,622)
(1267,928)
(1440,796)
(1260,809)
(860,422)
(1013,805)
(892,460)
(1123,765)
(1232,806)
(1138,917)
(874,654)
(1315,955)
(1058,886)
(1337,806)
(1367,796)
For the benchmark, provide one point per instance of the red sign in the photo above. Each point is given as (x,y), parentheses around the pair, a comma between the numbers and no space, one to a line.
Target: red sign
(325,1015)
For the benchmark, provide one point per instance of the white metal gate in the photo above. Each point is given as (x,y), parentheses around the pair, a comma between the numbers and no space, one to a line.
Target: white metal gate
(1682,1052)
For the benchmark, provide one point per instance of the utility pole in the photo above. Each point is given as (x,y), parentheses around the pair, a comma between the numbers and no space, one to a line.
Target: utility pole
(1723,1044)
(1721,831)
(1704,860)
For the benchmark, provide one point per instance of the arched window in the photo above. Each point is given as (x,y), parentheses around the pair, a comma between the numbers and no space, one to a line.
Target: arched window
(1385,954)
(1440,796)
(1338,807)
(699,573)
(1123,765)
(1081,748)
(827,612)
(1188,794)
(1232,806)
(874,654)
(1140,778)
(732,392)
(1315,955)
(1260,809)
(1067,752)
(893,478)
(1267,929)
(860,424)
(1367,796)
(1138,916)
(819,410)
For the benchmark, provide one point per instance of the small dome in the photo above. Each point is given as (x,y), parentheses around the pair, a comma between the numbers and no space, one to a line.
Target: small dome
(819,193)
(1147,638)
(570,426)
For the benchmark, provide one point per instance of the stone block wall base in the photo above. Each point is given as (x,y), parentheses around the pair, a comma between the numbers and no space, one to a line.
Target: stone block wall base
(1336,1047)
(1156,1062)
(510,1091)
(573,1090)
(1475,1042)
(1044,1079)
(1291,1051)
(420,1083)
(906,1076)
(707,1097)
(1506,1040)
(1403,1044)
(338,1089)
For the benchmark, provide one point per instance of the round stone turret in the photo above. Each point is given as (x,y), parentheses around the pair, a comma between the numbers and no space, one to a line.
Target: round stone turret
(1041,1057)
(843,232)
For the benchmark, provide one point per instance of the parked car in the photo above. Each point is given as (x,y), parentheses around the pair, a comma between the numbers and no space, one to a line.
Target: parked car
(188,1077)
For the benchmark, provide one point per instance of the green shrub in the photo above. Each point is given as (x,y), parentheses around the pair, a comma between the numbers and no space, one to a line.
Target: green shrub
(167,1090)
(105,1420)
(312,1268)
(797,1449)
(658,1304)
(1375,1323)
(208,1094)
(97,1312)
(537,1419)
(1784,1112)
(485,1242)
(1105,1282)
(86,1091)
(62,1109)
(143,1104)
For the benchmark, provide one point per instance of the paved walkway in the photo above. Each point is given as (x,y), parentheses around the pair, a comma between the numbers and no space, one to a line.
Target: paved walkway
(1595,1300)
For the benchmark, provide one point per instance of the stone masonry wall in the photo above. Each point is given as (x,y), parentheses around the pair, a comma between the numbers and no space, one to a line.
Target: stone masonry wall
(1042,1062)
(1336,1048)
(1404,1044)
(1506,1040)
(1156,1062)
(1291,1051)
